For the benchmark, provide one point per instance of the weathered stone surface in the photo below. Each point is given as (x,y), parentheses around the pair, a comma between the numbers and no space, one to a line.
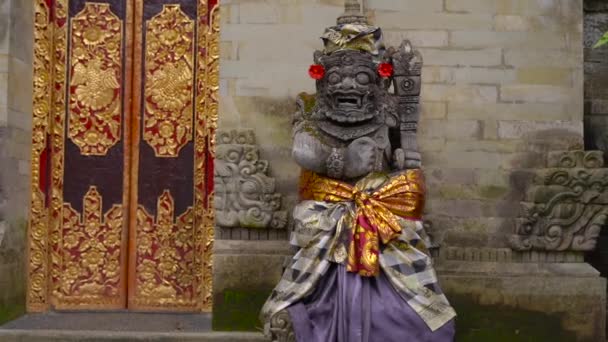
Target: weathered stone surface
(519,302)
(16,25)
(245,272)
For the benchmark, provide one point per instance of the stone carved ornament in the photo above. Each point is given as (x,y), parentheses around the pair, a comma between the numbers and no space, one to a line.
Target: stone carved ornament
(245,196)
(567,205)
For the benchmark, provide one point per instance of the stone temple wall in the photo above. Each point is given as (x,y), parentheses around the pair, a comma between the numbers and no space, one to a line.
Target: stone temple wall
(503,83)
(502,87)
(16,42)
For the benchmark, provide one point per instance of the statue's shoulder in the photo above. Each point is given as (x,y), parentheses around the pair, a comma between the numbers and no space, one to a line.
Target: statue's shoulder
(306,103)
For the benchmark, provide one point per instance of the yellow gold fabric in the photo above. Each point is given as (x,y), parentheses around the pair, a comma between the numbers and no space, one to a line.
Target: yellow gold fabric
(379,213)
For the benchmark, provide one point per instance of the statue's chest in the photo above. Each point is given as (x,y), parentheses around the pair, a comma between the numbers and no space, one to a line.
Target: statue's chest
(342,136)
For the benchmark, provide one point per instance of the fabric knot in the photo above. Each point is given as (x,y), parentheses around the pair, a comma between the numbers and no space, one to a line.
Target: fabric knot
(377,215)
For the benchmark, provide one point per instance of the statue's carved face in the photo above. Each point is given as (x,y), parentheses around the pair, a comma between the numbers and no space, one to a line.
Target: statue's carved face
(351,88)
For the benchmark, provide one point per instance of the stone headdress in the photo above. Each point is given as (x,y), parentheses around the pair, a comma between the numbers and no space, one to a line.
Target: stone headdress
(353,32)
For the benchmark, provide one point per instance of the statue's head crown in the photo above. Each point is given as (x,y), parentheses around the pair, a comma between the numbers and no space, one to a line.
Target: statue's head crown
(353,32)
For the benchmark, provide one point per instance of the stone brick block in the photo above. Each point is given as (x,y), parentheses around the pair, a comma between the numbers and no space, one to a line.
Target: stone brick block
(434,21)
(4,59)
(258,13)
(514,111)
(462,57)
(418,38)
(539,93)
(464,160)
(544,57)
(430,145)
(406,5)
(317,17)
(462,130)
(20,90)
(3,89)
(545,75)
(434,110)
(524,23)
(472,6)
(528,7)
(459,93)
(3,115)
(521,129)
(437,74)
(485,39)
(480,75)
(459,143)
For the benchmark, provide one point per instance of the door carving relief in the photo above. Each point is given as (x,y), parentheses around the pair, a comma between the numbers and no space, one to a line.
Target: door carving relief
(125,108)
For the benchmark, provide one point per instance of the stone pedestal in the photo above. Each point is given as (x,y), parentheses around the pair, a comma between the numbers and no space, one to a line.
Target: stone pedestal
(508,301)
(245,272)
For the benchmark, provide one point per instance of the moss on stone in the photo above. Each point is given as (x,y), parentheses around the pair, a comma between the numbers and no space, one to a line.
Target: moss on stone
(493,191)
(483,323)
(11,312)
(239,309)
(309,101)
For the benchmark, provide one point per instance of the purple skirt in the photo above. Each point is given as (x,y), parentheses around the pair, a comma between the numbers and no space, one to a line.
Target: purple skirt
(346,307)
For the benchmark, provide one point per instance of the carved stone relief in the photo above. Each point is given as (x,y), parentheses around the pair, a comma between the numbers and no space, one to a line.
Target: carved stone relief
(281,328)
(245,196)
(566,206)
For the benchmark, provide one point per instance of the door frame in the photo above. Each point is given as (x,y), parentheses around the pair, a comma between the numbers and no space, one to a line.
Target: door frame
(51,25)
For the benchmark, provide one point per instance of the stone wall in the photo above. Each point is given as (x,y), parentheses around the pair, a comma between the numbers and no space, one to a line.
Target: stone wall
(503,83)
(16,37)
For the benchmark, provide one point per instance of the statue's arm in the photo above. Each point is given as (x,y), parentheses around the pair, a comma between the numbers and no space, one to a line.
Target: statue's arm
(309,152)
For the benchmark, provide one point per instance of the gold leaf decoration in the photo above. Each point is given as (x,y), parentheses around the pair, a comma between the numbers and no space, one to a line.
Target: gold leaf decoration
(207,85)
(38,242)
(91,254)
(60,50)
(96,78)
(165,256)
(169,81)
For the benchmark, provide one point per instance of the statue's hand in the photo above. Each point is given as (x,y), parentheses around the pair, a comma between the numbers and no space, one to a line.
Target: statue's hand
(403,160)
(360,157)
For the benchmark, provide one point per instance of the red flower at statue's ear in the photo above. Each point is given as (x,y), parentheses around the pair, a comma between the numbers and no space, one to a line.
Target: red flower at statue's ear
(385,70)
(316,71)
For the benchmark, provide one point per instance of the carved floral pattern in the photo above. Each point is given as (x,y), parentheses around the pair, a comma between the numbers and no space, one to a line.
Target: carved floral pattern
(96,78)
(169,81)
(58,115)
(91,253)
(38,248)
(165,255)
(207,85)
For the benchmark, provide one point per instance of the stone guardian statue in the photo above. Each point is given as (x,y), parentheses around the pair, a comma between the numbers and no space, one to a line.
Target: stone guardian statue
(362,271)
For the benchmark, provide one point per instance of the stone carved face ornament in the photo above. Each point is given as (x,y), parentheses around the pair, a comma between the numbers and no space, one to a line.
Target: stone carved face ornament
(351,87)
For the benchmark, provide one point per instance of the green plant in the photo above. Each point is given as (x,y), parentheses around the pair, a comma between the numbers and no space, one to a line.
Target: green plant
(603,41)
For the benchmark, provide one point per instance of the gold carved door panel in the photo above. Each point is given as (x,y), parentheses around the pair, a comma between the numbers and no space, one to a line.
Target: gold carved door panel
(125,105)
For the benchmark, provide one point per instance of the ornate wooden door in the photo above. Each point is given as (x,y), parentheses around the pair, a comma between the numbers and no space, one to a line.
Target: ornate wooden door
(125,98)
